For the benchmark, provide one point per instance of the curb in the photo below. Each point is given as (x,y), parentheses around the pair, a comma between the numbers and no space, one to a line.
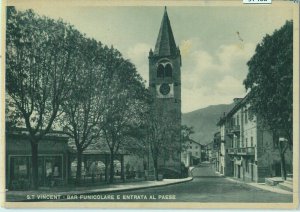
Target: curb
(138,188)
(260,187)
(87,192)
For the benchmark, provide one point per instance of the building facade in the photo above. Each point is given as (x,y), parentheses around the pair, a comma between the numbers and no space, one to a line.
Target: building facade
(57,162)
(209,152)
(248,151)
(215,151)
(203,152)
(52,160)
(165,87)
(191,156)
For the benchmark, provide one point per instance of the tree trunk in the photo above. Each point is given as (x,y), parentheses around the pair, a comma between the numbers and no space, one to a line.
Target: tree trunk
(155,169)
(112,171)
(283,166)
(79,166)
(122,169)
(34,165)
(106,168)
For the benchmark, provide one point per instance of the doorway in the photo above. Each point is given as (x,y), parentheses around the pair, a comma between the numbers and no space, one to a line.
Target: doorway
(252,169)
(277,167)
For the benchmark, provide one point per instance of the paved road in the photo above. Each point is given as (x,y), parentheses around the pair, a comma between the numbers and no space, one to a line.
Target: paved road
(205,187)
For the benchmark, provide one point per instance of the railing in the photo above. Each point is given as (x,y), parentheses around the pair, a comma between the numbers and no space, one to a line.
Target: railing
(236,128)
(250,151)
(232,151)
(242,151)
(233,129)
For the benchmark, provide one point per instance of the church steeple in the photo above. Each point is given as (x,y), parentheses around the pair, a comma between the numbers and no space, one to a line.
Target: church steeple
(165,43)
(165,90)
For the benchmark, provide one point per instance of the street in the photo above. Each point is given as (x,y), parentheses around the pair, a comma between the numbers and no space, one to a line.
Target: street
(205,187)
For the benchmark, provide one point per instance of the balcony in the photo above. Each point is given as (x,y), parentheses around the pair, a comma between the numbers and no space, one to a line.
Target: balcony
(241,151)
(235,129)
(250,151)
(232,151)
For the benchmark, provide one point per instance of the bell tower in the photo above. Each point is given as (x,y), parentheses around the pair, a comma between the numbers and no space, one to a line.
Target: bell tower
(165,87)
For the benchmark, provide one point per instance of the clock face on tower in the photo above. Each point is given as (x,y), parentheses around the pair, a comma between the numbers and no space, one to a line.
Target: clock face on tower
(164,89)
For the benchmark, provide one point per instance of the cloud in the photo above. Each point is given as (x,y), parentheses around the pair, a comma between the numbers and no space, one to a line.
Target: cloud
(213,77)
(185,47)
(138,54)
(208,77)
(230,86)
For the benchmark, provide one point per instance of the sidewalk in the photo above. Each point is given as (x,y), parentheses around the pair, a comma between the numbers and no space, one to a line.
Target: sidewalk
(54,194)
(262,186)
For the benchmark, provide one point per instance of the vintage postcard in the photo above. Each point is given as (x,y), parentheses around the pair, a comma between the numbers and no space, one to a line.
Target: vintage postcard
(150,104)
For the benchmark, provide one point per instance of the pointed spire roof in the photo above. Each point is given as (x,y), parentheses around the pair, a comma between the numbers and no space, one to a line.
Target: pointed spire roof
(165,43)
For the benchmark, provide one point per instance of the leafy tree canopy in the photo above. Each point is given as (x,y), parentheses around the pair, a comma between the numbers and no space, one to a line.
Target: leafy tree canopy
(56,75)
(270,81)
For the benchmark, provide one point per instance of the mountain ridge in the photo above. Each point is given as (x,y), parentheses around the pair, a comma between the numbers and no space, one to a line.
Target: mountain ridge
(204,121)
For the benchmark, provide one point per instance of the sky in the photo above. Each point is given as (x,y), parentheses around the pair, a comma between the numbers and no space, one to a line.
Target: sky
(215,42)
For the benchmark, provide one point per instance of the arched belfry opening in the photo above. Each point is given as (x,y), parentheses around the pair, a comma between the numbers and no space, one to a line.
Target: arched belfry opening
(168,70)
(164,70)
(160,71)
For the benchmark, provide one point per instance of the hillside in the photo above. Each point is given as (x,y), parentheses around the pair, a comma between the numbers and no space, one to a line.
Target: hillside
(204,121)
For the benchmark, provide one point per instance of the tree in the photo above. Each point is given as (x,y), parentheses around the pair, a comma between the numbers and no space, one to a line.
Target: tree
(186,133)
(39,64)
(161,133)
(83,110)
(137,143)
(270,81)
(124,94)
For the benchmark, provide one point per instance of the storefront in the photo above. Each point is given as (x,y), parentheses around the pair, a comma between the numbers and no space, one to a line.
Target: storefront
(52,160)
(57,162)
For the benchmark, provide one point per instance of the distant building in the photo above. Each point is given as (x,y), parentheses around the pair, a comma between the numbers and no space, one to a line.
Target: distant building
(191,156)
(248,150)
(203,153)
(210,155)
(217,149)
(217,153)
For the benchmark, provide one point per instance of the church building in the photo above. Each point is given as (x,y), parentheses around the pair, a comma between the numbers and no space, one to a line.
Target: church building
(165,87)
